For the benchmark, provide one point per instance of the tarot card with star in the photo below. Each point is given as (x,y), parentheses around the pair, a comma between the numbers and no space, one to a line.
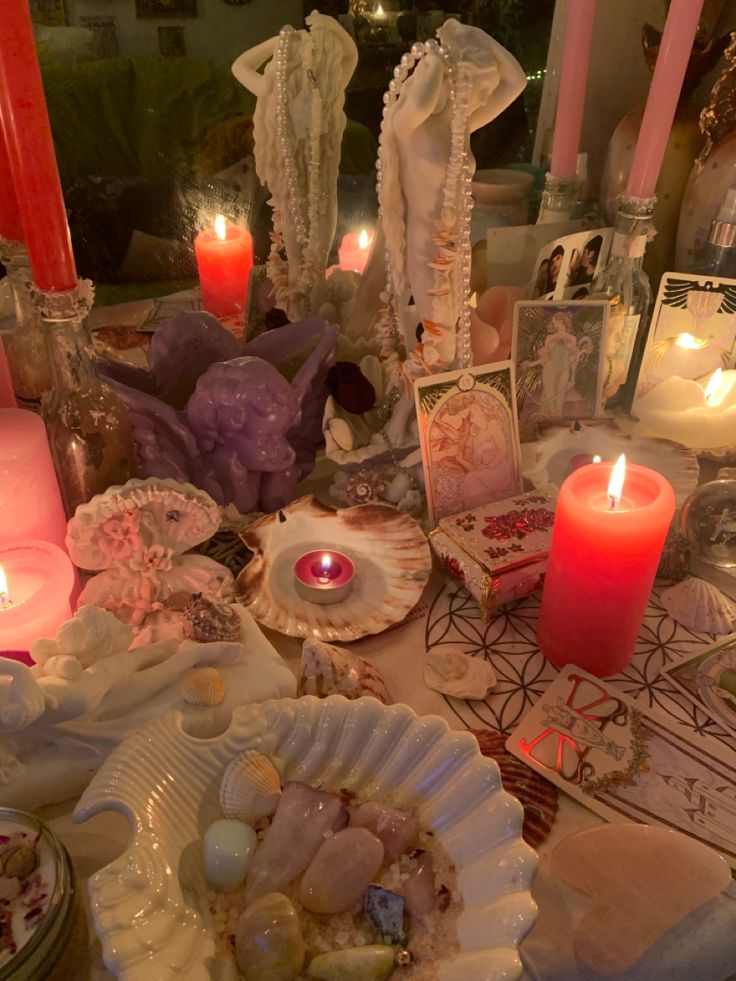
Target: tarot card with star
(693,329)
(628,763)
(469,437)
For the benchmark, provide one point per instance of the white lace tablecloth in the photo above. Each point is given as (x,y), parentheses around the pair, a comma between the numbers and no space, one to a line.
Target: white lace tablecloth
(446,614)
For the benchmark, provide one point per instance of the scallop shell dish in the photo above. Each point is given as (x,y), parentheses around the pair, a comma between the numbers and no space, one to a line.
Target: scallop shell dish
(387,547)
(137,535)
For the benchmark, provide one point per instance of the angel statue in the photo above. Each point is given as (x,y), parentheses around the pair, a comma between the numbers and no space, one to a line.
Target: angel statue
(456,87)
(245,435)
(298,126)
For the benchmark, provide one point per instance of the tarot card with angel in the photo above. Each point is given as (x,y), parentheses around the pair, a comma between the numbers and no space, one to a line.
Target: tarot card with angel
(558,350)
(693,329)
(469,437)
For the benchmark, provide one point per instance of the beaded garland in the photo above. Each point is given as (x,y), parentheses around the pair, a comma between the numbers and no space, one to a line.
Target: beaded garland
(452,229)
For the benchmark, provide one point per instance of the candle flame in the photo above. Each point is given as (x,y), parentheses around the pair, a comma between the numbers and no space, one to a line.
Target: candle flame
(690,343)
(719,386)
(616,483)
(363,239)
(220,227)
(380,11)
(326,563)
(596,459)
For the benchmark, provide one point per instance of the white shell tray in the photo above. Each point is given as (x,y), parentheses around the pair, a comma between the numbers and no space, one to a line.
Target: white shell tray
(149,905)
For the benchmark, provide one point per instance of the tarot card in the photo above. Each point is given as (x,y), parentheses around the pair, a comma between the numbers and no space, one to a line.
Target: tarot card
(693,329)
(558,350)
(625,763)
(709,680)
(469,436)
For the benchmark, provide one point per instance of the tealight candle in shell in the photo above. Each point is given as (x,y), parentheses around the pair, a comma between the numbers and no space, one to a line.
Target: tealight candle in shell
(323,576)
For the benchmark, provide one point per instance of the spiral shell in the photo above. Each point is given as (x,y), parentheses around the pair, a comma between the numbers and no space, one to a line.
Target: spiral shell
(206,686)
(250,788)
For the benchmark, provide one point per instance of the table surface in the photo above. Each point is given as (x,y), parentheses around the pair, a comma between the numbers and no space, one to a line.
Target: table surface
(446,614)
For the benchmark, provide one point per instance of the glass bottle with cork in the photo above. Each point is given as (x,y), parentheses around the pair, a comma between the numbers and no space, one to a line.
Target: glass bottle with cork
(719,258)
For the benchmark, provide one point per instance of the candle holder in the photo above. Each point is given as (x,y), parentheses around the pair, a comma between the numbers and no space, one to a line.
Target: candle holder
(559,199)
(625,285)
(25,347)
(88,428)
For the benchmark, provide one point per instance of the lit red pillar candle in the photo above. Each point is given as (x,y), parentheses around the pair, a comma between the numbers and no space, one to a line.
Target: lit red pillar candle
(606,542)
(25,125)
(224,260)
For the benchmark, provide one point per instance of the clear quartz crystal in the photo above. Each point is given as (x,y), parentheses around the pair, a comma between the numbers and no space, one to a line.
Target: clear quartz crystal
(25,347)
(625,285)
(559,199)
(89,432)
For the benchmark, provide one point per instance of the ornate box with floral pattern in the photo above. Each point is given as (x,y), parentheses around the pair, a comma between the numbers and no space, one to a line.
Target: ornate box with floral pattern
(498,551)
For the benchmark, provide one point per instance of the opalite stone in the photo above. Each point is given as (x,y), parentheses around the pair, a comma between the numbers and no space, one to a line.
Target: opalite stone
(341,871)
(228,847)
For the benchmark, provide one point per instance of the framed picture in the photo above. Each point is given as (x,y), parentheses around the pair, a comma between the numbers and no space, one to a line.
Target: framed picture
(165,8)
(171,42)
(49,13)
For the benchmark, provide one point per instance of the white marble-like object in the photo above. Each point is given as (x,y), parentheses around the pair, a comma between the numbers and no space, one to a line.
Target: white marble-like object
(319,60)
(57,726)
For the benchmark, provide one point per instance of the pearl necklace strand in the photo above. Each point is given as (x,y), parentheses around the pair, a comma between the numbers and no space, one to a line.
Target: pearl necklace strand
(306,225)
(452,233)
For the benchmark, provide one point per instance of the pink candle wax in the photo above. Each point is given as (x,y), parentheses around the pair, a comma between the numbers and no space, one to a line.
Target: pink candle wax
(355,250)
(25,124)
(573,82)
(30,501)
(601,566)
(224,260)
(35,585)
(664,92)
(323,576)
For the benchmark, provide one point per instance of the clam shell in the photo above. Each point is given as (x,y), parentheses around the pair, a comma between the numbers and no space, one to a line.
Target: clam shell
(329,670)
(451,672)
(699,606)
(205,686)
(168,513)
(250,788)
(387,547)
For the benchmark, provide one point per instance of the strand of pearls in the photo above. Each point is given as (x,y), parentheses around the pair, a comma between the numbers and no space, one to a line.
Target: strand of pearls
(457,198)
(281,64)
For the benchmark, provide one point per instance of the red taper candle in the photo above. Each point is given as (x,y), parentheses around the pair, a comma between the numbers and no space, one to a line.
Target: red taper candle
(10,223)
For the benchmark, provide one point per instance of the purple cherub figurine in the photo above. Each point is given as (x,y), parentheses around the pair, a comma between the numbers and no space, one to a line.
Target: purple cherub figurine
(246,434)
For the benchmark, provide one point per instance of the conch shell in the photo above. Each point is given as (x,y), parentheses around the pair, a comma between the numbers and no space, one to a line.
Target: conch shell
(329,670)
(453,673)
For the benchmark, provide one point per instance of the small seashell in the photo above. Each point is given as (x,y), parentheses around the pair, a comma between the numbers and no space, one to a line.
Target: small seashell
(206,622)
(250,788)
(205,686)
(453,673)
(329,670)
(675,558)
(699,606)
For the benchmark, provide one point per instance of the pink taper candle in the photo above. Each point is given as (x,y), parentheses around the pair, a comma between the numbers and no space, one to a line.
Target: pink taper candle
(601,567)
(664,92)
(25,123)
(573,81)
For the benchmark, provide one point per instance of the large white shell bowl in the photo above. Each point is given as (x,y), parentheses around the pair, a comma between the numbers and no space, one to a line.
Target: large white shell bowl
(149,905)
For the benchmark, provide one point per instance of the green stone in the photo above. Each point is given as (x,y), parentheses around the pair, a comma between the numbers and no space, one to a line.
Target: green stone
(371,963)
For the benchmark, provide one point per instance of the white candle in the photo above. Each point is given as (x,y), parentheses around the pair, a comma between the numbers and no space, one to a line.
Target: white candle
(701,415)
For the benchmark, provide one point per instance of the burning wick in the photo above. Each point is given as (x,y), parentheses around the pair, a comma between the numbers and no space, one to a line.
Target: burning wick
(596,459)
(326,570)
(221,227)
(616,483)
(5,600)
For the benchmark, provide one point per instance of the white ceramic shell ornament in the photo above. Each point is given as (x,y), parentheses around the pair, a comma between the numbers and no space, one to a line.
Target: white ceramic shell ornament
(250,788)
(699,606)
(137,535)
